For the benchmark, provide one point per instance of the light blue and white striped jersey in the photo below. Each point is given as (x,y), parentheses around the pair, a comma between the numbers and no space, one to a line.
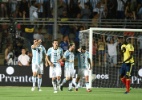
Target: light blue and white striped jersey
(69,56)
(55,55)
(83,60)
(38,54)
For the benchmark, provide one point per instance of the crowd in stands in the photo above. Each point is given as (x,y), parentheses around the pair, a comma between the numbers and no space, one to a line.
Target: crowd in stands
(67,10)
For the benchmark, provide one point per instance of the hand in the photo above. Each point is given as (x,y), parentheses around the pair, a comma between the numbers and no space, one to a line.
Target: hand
(51,64)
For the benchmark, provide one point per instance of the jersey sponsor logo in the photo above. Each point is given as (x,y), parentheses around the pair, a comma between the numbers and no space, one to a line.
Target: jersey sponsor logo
(9,78)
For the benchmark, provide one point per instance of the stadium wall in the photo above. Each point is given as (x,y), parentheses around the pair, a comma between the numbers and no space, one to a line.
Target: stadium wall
(22,76)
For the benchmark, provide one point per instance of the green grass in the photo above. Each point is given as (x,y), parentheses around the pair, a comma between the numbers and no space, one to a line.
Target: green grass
(25,93)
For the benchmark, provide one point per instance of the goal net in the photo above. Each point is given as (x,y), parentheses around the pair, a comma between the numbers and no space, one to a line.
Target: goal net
(107,58)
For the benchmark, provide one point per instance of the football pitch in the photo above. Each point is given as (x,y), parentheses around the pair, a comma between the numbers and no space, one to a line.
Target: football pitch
(25,93)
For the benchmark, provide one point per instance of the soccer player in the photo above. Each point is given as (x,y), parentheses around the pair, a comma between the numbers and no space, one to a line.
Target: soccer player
(38,52)
(55,53)
(83,67)
(128,62)
(68,57)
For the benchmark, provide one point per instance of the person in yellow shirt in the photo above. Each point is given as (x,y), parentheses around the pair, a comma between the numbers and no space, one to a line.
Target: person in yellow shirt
(127,66)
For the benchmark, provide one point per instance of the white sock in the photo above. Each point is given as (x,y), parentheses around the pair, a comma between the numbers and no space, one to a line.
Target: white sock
(70,85)
(54,85)
(34,80)
(39,82)
(63,82)
(58,82)
(87,85)
(76,85)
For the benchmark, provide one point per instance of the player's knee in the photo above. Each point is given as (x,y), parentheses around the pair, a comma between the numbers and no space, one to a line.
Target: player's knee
(127,77)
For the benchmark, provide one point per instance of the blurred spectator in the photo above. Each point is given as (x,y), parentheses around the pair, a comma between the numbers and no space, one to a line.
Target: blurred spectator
(129,13)
(64,44)
(50,25)
(111,9)
(64,29)
(94,51)
(139,11)
(61,7)
(100,9)
(33,11)
(85,12)
(47,8)
(101,50)
(95,20)
(40,8)
(8,53)
(39,35)
(3,10)
(112,51)
(82,3)
(13,5)
(74,9)
(23,59)
(121,9)
(24,8)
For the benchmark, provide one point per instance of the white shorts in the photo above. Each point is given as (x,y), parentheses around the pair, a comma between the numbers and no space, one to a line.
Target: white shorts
(55,71)
(69,72)
(37,68)
(83,72)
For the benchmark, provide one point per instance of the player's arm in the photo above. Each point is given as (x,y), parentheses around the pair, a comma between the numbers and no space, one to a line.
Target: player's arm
(48,61)
(91,65)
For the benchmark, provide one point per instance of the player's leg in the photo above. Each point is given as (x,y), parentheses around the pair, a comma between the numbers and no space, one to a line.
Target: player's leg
(39,82)
(129,68)
(53,76)
(72,74)
(70,84)
(80,74)
(40,72)
(122,74)
(86,74)
(67,78)
(58,75)
(34,70)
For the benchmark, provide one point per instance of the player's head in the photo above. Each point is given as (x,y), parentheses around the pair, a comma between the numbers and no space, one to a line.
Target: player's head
(72,46)
(39,41)
(125,40)
(35,41)
(55,44)
(83,49)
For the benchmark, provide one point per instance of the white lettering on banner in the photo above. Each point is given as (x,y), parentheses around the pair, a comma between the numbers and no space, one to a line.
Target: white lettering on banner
(102,76)
(4,78)
(136,80)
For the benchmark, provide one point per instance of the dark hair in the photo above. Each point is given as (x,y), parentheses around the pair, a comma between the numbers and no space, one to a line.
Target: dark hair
(83,47)
(71,44)
(54,40)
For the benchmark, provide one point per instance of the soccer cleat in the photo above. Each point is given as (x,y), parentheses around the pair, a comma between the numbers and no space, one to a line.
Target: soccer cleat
(70,90)
(39,90)
(55,92)
(89,90)
(126,92)
(33,88)
(76,89)
(61,88)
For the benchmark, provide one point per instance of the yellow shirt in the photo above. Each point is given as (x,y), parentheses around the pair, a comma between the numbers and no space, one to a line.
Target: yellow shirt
(126,54)
(101,46)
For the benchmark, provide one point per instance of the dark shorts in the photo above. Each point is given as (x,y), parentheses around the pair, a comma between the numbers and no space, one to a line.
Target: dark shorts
(126,69)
